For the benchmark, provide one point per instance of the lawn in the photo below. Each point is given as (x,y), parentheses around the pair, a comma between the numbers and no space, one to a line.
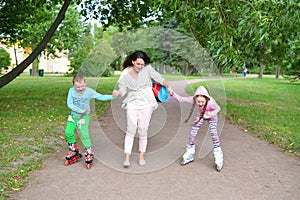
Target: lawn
(267,107)
(33,115)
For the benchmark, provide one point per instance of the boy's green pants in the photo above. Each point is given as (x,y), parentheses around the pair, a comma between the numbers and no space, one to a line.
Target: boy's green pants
(83,126)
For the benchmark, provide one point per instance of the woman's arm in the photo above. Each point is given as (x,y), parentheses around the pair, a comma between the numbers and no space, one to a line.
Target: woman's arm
(121,84)
(159,78)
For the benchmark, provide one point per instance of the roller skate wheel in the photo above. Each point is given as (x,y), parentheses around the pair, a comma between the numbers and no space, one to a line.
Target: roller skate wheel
(185,162)
(219,168)
(89,166)
(67,163)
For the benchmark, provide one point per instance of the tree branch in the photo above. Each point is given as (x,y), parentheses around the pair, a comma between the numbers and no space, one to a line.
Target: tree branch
(4,80)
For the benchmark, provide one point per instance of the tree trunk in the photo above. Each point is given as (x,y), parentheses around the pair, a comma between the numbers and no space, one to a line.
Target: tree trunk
(185,70)
(211,68)
(261,69)
(4,80)
(35,68)
(15,52)
(277,72)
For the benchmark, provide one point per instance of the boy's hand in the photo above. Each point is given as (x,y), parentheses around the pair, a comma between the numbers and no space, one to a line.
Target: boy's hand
(116,93)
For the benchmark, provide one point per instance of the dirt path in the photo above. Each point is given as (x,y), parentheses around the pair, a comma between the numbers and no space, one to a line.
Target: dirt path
(253,169)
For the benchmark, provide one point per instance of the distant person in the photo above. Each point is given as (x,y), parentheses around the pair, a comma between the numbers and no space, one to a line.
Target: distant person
(136,83)
(244,73)
(207,110)
(232,70)
(78,101)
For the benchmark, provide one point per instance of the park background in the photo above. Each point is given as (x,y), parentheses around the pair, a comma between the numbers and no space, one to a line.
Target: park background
(261,36)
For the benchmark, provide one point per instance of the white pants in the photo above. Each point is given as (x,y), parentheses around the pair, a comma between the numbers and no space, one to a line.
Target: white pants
(137,120)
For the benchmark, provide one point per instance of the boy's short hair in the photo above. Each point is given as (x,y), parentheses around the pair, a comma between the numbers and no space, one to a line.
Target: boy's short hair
(78,78)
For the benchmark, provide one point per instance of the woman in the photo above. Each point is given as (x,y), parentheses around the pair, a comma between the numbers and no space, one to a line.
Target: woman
(136,82)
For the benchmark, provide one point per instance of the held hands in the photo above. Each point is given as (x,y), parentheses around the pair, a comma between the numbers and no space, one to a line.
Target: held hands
(170,91)
(116,93)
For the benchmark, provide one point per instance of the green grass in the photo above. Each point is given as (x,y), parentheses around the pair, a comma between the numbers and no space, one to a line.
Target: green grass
(33,115)
(267,107)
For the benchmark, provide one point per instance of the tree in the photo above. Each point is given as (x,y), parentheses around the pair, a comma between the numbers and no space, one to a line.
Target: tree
(234,32)
(214,19)
(121,13)
(65,37)
(4,59)
(90,37)
(22,66)
(287,39)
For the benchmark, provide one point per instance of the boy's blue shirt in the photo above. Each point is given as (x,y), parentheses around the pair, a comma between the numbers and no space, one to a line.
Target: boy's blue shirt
(79,102)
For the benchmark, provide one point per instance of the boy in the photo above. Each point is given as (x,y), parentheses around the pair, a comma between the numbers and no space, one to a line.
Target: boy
(78,102)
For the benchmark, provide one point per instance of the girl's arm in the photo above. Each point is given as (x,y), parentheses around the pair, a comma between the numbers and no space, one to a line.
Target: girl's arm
(179,98)
(214,107)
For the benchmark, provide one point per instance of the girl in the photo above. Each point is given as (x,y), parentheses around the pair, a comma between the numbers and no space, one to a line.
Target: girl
(136,82)
(207,110)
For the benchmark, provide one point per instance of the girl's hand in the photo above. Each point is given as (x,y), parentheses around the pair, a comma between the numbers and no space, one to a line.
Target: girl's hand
(170,91)
(207,115)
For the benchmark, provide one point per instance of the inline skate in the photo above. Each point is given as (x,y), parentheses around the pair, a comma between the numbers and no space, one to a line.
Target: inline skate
(188,156)
(89,157)
(218,155)
(73,155)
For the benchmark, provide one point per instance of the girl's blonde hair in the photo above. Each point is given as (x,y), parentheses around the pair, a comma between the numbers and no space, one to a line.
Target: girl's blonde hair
(78,78)
(193,106)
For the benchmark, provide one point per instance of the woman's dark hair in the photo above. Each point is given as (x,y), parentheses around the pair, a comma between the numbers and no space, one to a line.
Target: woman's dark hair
(134,56)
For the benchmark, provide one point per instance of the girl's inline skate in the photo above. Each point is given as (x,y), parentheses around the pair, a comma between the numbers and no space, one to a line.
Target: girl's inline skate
(89,157)
(218,155)
(188,156)
(73,155)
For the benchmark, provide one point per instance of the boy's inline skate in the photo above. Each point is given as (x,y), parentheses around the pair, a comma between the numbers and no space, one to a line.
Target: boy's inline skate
(188,156)
(218,155)
(89,157)
(73,155)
